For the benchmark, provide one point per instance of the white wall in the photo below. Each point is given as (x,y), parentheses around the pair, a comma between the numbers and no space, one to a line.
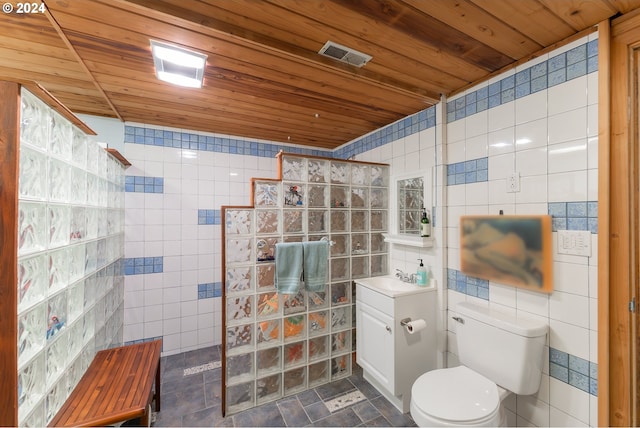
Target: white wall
(108,130)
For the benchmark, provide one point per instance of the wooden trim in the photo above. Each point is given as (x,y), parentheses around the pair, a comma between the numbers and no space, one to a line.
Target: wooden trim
(281,153)
(604,132)
(116,154)
(622,275)
(9,159)
(634,215)
(223,324)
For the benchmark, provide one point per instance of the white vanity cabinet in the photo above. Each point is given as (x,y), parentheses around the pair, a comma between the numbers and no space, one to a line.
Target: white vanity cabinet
(391,358)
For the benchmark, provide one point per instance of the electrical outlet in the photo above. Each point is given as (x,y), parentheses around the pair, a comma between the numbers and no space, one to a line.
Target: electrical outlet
(513,182)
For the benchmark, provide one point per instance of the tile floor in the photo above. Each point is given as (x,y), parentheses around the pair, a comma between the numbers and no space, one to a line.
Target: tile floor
(192,398)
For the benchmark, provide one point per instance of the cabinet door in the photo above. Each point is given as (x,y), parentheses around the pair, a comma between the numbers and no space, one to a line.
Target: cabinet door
(375,346)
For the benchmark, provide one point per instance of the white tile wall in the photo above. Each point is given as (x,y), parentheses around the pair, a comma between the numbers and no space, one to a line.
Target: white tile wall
(550,139)
(166,304)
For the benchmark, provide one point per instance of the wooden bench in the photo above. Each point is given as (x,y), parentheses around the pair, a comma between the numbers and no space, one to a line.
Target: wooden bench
(117,386)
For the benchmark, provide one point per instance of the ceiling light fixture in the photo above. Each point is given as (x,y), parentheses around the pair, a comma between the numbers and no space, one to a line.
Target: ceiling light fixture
(177,65)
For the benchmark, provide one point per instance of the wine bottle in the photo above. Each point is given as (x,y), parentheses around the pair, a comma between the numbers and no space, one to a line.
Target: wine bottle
(425,224)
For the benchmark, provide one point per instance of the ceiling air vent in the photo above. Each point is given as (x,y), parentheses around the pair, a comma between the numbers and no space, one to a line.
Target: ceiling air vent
(344,54)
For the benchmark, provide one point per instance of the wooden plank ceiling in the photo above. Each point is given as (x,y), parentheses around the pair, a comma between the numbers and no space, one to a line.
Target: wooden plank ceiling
(264,78)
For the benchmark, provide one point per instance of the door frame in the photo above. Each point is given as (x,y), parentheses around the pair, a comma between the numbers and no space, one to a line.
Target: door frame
(618,220)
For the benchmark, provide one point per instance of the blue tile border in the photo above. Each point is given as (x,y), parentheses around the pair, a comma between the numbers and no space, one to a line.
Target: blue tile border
(143,265)
(184,140)
(209,290)
(561,68)
(476,287)
(417,122)
(140,184)
(575,371)
(471,171)
(207,217)
(576,215)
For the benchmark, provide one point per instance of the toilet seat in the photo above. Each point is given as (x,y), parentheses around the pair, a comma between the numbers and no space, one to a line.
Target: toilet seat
(455,396)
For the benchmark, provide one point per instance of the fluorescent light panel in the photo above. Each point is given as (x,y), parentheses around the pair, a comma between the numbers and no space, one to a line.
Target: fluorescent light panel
(177,65)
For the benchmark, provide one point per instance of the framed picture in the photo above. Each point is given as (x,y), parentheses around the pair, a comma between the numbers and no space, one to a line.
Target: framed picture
(509,249)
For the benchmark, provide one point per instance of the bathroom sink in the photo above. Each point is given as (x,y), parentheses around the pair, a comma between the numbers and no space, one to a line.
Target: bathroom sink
(391,286)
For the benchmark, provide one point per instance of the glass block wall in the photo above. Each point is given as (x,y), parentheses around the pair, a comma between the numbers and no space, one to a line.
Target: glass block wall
(277,345)
(70,245)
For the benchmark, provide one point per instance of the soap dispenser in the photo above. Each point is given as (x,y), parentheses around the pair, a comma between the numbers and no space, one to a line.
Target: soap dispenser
(421,275)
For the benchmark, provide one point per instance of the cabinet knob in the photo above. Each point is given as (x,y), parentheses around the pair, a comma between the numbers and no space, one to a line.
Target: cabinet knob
(388,329)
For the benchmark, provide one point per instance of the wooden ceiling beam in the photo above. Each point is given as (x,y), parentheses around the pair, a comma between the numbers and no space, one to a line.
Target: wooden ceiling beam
(265,67)
(240,89)
(265,113)
(431,32)
(280,49)
(548,28)
(580,14)
(66,41)
(310,36)
(381,40)
(476,23)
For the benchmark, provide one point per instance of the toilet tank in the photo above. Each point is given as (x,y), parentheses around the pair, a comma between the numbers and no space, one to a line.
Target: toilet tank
(505,348)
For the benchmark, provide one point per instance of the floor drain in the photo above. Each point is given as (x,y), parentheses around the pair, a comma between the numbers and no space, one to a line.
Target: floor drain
(202,368)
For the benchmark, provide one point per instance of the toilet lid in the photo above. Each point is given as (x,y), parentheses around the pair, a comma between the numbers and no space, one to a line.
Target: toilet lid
(455,394)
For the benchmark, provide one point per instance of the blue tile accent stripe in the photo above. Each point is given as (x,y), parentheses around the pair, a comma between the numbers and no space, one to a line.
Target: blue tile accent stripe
(471,171)
(476,287)
(208,216)
(136,183)
(573,370)
(143,265)
(417,122)
(580,215)
(566,66)
(209,290)
(186,140)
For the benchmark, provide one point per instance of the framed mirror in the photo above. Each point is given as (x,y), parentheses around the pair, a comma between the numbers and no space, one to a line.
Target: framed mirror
(409,194)
(410,200)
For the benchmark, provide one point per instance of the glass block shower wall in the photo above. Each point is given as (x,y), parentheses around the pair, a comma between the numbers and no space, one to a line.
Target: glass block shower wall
(70,245)
(278,345)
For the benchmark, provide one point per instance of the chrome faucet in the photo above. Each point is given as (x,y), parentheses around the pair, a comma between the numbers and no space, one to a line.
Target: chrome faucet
(405,277)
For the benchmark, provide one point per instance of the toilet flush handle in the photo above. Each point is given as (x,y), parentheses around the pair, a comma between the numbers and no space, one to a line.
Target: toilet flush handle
(459,319)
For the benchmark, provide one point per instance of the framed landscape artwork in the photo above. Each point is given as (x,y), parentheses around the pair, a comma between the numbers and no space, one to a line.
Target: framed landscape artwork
(509,249)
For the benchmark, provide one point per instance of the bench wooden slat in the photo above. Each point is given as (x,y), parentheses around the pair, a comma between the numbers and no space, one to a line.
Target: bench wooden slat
(98,372)
(117,386)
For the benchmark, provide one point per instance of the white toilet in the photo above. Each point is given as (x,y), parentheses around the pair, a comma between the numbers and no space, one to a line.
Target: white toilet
(500,354)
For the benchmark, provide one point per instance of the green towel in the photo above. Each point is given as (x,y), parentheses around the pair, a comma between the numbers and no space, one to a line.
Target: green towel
(316,256)
(288,267)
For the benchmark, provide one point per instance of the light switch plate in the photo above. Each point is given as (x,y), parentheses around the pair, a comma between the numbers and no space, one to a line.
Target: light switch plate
(513,182)
(574,242)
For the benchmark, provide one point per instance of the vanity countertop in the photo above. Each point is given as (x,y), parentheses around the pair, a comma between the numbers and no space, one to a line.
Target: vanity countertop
(392,286)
